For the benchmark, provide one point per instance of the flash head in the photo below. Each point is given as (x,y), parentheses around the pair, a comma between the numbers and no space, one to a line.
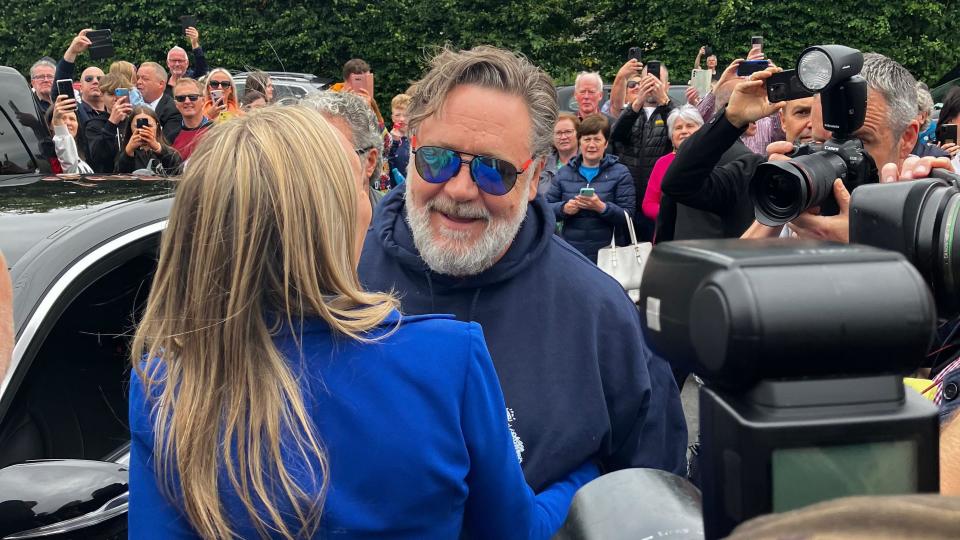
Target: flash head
(823,66)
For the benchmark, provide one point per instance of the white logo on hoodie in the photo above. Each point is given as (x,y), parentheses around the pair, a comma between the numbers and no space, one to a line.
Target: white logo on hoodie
(517,443)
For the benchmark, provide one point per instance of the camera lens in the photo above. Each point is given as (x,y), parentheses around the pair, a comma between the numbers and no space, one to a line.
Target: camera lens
(782,190)
(920,219)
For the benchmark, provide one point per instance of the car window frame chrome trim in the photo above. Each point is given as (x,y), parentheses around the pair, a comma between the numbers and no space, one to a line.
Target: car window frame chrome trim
(116,506)
(54,293)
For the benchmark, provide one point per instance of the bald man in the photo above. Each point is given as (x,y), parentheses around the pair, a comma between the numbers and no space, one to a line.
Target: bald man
(91,99)
(6,318)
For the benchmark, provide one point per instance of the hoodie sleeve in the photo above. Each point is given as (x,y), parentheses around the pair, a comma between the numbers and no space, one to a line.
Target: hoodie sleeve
(646,417)
(500,504)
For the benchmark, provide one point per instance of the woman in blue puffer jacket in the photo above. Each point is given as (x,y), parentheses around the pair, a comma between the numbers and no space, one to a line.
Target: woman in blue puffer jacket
(593,193)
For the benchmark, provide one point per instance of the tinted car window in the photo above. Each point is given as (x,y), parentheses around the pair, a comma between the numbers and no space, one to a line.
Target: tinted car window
(14,156)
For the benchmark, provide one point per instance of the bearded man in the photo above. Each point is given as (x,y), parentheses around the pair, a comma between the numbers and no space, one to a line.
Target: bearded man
(467,235)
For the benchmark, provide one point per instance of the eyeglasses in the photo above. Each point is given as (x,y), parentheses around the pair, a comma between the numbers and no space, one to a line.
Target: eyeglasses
(564,133)
(184,97)
(219,84)
(90,78)
(632,84)
(42,77)
(437,165)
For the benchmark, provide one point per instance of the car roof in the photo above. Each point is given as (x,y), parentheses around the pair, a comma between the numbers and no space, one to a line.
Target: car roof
(36,208)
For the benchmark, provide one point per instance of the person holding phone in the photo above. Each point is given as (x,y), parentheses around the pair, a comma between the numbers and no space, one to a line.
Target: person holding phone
(711,62)
(593,194)
(947,126)
(179,63)
(220,100)
(67,137)
(91,103)
(103,134)
(145,144)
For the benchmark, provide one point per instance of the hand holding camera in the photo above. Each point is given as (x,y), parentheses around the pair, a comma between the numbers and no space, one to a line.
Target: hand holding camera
(148,138)
(749,101)
(121,108)
(78,46)
(629,69)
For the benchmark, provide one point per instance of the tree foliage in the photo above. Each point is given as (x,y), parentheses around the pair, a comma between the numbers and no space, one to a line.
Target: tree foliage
(563,37)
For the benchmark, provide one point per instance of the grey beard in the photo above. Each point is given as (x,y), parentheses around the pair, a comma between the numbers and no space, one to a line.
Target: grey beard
(453,255)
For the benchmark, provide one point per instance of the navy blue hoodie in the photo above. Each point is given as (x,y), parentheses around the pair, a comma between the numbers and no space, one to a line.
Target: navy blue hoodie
(565,339)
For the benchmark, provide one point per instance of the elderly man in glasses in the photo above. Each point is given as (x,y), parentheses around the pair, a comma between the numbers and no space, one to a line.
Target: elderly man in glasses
(179,63)
(467,235)
(91,98)
(41,80)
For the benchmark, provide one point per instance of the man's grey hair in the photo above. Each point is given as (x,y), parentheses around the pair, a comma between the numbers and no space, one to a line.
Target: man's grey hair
(924,104)
(688,113)
(896,85)
(176,48)
(157,69)
(496,69)
(588,76)
(41,62)
(364,127)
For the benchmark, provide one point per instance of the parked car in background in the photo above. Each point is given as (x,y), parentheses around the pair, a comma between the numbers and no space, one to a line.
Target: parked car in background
(285,84)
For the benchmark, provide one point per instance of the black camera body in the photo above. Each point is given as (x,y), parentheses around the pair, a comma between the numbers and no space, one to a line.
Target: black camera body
(778,200)
(782,190)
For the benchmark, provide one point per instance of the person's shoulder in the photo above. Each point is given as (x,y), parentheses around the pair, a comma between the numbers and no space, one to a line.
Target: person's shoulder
(436,328)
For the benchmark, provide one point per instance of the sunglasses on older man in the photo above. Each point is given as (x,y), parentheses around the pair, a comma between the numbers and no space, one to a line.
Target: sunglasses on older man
(218,84)
(183,97)
(437,164)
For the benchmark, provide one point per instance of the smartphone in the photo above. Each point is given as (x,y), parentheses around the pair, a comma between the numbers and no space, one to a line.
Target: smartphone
(947,133)
(707,51)
(65,88)
(747,67)
(701,79)
(587,192)
(188,21)
(122,92)
(653,68)
(756,41)
(786,86)
(142,123)
(101,44)
(216,95)
(634,54)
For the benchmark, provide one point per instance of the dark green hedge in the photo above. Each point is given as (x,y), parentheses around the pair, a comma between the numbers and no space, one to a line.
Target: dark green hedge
(562,36)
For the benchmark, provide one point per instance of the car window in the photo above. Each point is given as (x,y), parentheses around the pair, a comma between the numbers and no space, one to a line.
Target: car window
(281,91)
(14,156)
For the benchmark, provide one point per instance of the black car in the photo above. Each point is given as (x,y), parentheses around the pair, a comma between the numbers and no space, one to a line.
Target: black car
(81,251)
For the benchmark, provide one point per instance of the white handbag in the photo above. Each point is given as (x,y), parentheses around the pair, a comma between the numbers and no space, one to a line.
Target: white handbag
(626,263)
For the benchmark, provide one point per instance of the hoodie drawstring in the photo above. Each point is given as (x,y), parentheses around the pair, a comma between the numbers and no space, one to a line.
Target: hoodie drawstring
(433,300)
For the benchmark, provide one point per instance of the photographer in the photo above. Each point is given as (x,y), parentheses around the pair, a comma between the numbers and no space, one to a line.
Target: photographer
(889,134)
(705,188)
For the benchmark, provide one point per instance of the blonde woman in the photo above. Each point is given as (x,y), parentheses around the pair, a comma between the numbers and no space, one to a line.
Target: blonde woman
(280,399)
(220,100)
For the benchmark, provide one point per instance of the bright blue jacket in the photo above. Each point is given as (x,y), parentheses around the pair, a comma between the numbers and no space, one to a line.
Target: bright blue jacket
(416,433)
(587,230)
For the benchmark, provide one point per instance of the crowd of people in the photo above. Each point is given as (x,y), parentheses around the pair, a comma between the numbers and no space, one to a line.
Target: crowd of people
(307,296)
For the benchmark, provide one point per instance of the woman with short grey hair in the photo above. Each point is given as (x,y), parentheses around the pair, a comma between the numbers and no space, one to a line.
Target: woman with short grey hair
(682,122)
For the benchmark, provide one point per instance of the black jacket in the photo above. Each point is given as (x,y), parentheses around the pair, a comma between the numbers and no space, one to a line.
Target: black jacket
(171,121)
(103,144)
(168,158)
(706,188)
(640,141)
(588,231)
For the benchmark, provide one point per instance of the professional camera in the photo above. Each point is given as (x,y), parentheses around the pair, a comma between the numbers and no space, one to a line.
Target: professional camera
(921,220)
(782,190)
(802,347)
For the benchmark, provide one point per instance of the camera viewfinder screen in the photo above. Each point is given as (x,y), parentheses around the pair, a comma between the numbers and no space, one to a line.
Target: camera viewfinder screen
(803,476)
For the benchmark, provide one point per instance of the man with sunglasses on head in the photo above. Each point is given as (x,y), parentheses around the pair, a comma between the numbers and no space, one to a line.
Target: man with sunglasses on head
(91,98)
(187,95)
(467,235)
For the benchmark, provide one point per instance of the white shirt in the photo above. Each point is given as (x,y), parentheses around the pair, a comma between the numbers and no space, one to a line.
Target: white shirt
(153,104)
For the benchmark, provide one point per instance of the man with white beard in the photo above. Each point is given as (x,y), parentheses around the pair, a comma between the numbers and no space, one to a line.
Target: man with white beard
(466,235)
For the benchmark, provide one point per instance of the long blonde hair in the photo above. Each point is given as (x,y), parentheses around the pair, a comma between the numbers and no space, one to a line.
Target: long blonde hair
(262,234)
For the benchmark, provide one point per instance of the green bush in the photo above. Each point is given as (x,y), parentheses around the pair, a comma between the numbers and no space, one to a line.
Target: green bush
(563,37)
